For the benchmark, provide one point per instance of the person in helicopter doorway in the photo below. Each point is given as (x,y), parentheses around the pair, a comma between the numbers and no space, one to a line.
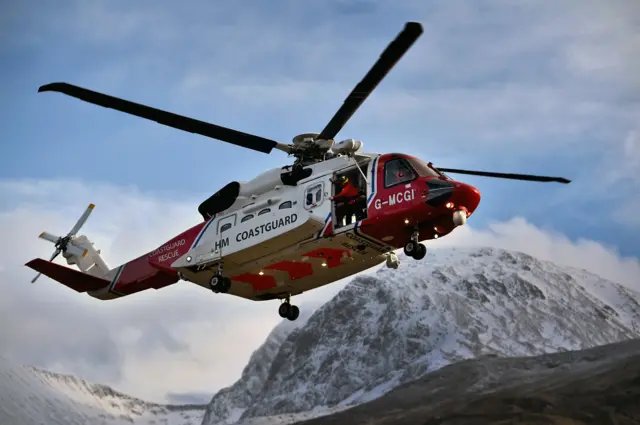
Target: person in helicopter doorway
(347,196)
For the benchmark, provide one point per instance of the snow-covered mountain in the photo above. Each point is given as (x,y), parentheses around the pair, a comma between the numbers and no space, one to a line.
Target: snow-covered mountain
(393,327)
(379,332)
(233,400)
(29,396)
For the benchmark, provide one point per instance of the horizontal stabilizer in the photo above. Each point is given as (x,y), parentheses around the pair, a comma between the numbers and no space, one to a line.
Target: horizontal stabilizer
(78,281)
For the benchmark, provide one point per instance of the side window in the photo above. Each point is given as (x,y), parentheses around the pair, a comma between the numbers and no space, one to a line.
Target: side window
(246,218)
(264,211)
(226,223)
(314,195)
(397,171)
(284,205)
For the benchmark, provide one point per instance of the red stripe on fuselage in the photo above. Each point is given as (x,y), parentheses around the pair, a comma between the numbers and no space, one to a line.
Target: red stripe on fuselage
(296,270)
(327,232)
(332,256)
(258,282)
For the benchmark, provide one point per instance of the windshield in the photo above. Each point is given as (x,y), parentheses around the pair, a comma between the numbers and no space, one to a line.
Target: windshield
(422,168)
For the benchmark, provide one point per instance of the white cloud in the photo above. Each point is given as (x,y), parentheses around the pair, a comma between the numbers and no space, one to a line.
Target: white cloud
(533,78)
(621,175)
(182,338)
(520,235)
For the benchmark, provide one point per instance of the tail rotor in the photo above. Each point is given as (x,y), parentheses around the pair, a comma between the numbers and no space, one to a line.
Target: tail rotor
(64,244)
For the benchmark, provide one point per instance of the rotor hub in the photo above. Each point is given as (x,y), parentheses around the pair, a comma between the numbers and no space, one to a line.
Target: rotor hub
(308,148)
(305,138)
(62,243)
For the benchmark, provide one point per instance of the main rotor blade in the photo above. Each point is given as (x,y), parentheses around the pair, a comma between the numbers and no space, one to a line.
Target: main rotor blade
(170,119)
(527,177)
(389,57)
(81,220)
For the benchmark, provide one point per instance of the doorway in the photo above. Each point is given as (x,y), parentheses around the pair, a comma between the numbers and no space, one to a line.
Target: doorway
(348,210)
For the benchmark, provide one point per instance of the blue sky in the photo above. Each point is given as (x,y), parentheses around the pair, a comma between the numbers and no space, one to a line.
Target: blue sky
(530,87)
(490,85)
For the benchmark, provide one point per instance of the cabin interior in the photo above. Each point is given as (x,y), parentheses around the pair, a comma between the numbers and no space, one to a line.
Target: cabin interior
(353,210)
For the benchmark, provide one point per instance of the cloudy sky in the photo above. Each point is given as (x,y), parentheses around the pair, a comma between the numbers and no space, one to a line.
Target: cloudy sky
(533,87)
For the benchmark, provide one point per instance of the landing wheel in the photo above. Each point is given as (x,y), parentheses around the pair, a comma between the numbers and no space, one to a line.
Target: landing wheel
(420,252)
(220,283)
(288,311)
(415,250)
(410,249)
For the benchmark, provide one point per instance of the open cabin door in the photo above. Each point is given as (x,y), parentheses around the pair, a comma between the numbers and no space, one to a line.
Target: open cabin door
(348,210)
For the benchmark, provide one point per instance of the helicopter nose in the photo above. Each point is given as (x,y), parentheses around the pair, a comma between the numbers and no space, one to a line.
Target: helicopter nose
(468,197)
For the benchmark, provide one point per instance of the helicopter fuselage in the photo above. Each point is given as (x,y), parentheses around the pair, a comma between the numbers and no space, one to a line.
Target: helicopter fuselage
(291,239)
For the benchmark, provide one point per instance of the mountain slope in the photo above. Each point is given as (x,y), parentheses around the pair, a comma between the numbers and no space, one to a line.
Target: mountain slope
(594,386)
(385,330)
(233,401)
(32,396)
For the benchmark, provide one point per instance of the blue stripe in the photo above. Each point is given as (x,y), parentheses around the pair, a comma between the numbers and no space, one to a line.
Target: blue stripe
(204,229)
(327,219)
(324,227)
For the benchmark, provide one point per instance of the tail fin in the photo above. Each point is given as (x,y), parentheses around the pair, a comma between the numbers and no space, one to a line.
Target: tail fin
(73,279)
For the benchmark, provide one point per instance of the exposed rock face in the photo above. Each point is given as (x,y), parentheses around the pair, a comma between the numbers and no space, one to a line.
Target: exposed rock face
(595,386)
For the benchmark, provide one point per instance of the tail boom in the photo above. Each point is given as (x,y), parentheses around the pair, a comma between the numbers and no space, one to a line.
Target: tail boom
(149,271)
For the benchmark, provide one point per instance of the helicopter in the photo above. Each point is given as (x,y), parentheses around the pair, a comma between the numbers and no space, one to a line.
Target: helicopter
(285,232)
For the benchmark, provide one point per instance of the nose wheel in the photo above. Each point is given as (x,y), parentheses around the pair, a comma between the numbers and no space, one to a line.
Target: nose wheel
(288,311)
(414,248)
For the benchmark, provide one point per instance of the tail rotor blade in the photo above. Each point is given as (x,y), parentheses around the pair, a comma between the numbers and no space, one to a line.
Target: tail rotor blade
(74,250)
(83,218)
(49,237)
(53,256)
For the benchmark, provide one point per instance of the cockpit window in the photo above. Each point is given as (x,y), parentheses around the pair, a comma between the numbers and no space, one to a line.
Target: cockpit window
(397,171)
(422,168)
